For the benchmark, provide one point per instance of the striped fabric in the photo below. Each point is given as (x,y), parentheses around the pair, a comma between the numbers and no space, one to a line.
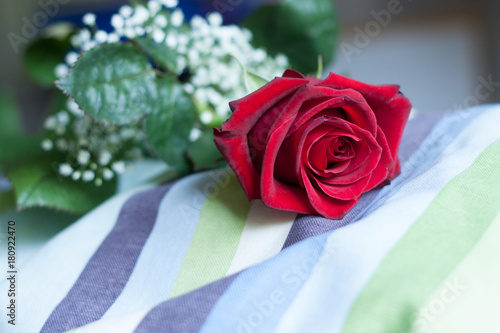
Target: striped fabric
(419,255)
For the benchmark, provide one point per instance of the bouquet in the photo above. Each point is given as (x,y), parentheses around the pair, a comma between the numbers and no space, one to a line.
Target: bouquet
(153,87)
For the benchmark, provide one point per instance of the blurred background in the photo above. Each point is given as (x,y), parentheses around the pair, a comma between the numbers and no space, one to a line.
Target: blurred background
(445,54)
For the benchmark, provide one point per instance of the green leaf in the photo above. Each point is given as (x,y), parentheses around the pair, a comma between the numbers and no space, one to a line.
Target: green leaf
(252,81)
(15,145)
(7,201)
(10,116)
(300,29)
(114,83)
(169,126)
(37,184)
(204,153)
(161,54)
(43,55)
(15,149)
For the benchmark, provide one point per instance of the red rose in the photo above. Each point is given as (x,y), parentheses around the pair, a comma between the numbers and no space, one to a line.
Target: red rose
(314,146)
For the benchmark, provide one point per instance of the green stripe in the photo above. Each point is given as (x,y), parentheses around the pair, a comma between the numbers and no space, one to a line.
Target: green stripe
(215,239)
(471,291)
(439,239)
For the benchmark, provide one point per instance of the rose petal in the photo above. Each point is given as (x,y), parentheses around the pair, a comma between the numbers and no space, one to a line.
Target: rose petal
(295,74)
(391,108)
(274,193)
(344,192)
(354,107)
(367,151)
(257,137)
(385,165)
(392,121)
(249,109)
(324,205)
(236,152)
(375,95)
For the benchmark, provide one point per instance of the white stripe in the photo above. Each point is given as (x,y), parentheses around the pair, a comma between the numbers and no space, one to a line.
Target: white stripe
(163,253)
(122,324)
(263,236)
(46,279)
(355,251)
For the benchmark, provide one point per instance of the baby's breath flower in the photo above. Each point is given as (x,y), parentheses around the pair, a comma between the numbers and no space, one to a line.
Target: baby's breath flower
(118,167)
(170,3)
(117,21)
(101,36)
(154,7)
(177,18)
(71,58)
(83,157)
(113,37)
(89,19)
(158,36)
(215,19)
(125,11)
(61,70)
(195,134)
(105,157)
(47,145)
(206,117)
(62,118)
(88,176)
(50,123)
(140,15)
(161,21)
(107,174)
(76,175)
(65,170)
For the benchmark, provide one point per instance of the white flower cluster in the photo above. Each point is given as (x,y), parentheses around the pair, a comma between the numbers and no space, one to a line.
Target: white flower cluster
(94,152)
(205,52)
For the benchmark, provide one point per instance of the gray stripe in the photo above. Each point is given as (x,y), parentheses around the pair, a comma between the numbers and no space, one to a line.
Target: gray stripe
(306,226)
(185,313)
(109,269)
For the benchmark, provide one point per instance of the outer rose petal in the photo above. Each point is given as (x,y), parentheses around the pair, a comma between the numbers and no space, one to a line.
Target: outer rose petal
(248,110)
(294,74)
(375,95)
(392,120)
(236,153)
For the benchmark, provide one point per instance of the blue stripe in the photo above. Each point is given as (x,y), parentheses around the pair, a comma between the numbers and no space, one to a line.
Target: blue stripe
(162,256)
(185,313)
(107,272)
(259,296)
